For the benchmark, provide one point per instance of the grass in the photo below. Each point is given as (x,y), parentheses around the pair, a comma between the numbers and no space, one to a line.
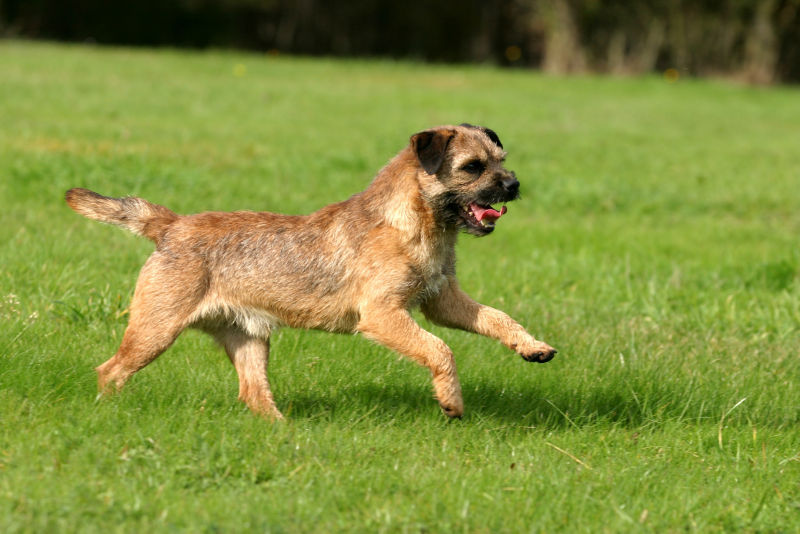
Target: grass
(655,247)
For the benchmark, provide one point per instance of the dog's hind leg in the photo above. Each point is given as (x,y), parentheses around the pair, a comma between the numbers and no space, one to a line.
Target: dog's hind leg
(250,356)
(161,308)
(397,330)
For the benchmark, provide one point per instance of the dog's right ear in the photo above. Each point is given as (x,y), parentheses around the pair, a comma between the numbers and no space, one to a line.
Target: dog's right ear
(430,147)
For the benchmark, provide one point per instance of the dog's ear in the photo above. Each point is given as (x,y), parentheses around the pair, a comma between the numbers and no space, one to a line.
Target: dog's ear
(492,136)
(488,131)
(430,147)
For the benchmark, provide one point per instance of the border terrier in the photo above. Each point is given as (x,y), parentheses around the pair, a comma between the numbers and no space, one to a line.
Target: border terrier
(355,266)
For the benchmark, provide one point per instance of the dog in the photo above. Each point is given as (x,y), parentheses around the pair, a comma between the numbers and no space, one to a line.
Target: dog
(359,266)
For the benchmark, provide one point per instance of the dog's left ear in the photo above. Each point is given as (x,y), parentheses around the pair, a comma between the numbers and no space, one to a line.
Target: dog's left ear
(488,131)
(430,147)
(492,136)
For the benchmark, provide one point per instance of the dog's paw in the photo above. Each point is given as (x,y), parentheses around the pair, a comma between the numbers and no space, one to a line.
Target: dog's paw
(537,352)
(452,411)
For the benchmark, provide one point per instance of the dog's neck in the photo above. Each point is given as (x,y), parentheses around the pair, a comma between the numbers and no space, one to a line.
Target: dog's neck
(398,195)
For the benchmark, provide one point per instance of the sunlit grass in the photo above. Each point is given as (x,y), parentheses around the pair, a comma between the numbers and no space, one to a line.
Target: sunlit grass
(655,246)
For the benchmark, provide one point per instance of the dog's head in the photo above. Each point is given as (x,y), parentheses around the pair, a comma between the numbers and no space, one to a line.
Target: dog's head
(467,164)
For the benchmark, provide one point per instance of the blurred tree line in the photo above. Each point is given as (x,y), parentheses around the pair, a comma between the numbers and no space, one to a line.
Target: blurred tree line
(754,40)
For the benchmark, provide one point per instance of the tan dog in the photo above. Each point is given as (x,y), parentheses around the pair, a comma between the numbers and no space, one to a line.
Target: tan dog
(356,266)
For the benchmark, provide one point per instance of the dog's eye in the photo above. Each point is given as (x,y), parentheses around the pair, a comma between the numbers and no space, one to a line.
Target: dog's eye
(474,167)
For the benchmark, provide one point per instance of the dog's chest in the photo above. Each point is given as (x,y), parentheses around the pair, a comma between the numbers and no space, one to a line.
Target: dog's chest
(432,259)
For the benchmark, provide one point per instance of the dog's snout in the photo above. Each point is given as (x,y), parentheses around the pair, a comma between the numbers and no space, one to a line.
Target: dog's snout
(510,184)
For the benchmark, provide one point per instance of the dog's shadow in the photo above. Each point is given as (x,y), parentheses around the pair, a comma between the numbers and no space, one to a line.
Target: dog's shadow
(484,401)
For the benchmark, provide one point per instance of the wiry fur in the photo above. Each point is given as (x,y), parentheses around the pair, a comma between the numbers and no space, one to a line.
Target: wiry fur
(135,214)
(354,266)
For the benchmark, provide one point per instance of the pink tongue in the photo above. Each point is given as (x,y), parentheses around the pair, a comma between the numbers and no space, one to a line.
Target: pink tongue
(489,213)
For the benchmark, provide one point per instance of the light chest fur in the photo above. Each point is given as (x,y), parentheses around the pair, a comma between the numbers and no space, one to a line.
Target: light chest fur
(427,247)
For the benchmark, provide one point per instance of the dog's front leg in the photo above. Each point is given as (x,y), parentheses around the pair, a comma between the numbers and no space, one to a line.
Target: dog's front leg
(453,308)
(397,330)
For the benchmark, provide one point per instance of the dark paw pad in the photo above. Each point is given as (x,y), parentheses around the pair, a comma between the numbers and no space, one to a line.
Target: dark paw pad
(540,356)
(451,411)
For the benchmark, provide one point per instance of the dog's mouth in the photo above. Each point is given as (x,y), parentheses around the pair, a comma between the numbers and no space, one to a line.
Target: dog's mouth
(481,217)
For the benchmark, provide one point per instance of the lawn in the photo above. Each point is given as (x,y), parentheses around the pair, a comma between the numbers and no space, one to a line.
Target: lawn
(656,246)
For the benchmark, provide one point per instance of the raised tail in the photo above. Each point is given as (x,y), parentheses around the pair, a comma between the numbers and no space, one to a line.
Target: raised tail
(136,214)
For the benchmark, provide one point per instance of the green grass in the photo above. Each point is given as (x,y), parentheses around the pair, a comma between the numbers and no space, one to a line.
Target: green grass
(656,247)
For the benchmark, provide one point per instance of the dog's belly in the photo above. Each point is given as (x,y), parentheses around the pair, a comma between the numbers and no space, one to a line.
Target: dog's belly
(252,321)
(261,318)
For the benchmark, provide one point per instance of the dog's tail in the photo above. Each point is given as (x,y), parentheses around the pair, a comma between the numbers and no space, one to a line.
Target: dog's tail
(136,214)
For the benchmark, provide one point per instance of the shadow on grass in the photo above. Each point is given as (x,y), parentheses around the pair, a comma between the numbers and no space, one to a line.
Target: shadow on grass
(492,401)
(636,399)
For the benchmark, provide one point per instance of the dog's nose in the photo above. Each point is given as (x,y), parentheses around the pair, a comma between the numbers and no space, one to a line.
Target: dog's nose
(511,185)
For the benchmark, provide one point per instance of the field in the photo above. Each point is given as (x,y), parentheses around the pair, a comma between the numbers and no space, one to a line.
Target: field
(656,246)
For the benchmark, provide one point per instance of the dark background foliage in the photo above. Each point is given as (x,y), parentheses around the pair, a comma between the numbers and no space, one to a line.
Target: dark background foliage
(753,40)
